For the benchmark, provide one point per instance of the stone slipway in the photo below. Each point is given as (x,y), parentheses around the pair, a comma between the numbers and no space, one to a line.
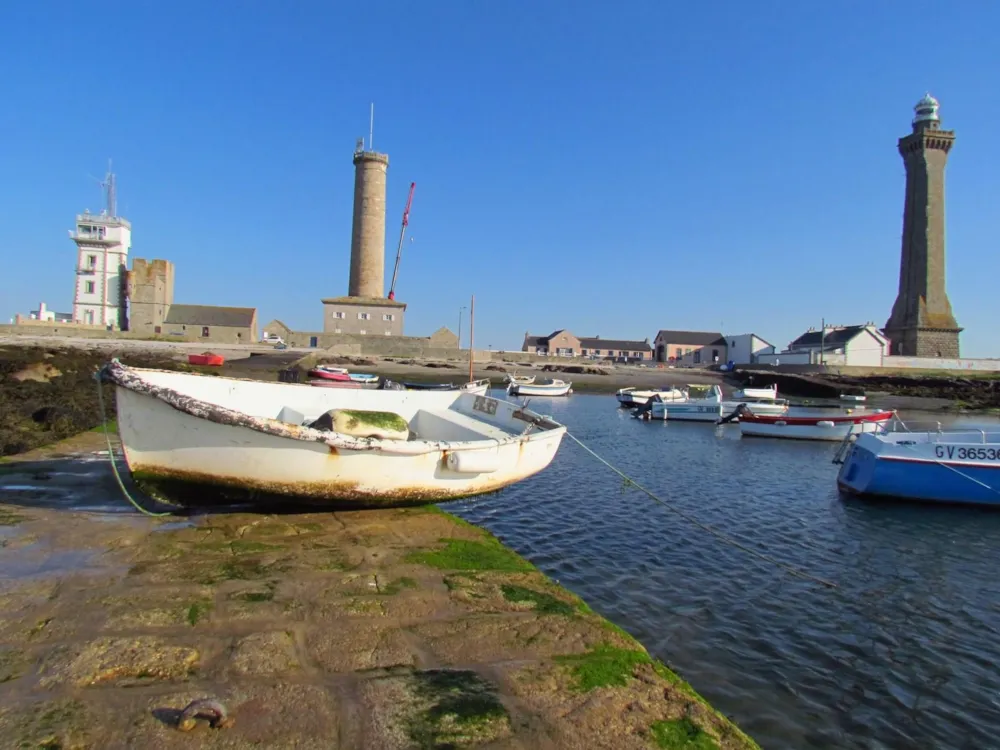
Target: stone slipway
(387,629)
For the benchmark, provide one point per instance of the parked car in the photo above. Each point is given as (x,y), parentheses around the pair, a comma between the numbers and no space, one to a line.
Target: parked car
(272,339)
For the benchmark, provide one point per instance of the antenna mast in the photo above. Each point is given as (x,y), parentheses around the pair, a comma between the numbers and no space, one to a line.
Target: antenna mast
(371,128)
(109,186)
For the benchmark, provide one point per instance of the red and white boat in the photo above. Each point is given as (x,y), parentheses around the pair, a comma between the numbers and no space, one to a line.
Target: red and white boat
(329,373)
(812,426)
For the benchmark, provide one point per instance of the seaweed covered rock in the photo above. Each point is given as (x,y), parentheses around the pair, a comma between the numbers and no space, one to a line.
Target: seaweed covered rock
(384,425)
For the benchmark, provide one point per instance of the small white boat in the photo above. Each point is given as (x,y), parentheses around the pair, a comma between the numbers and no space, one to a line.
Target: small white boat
(856,397)
(811,426)
(706,403)
(547,387)
(960,465)
(756,394)
(185,432)
(520,379)
(632,397)
(363,377)
(476,387)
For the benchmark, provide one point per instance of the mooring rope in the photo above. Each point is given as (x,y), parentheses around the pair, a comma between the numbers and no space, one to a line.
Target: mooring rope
(111,455)
(791,569)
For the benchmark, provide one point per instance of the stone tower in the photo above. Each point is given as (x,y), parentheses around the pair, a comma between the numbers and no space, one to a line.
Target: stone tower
(150,294)
(368,227)
(921,323)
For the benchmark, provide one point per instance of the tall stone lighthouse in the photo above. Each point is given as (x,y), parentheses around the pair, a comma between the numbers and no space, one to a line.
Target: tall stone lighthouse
(366,311)
(922,323)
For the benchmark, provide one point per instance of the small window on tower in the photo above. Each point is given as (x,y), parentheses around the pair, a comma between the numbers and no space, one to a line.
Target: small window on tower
(88,288)
(204,331)
(157,330)
(91,261)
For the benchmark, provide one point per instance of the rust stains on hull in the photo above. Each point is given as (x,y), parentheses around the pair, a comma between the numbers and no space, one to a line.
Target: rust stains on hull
(192,488)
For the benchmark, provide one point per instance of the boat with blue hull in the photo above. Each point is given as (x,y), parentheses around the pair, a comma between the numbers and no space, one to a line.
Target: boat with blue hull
(958,465)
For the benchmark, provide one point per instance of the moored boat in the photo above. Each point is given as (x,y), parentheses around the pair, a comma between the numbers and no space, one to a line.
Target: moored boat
(475,387)
(326,372)
(810,426)
(546,387)
(706,403)
(184,432)
(362,377)
(206,359)
(520,379)
(959,465)
(632,396)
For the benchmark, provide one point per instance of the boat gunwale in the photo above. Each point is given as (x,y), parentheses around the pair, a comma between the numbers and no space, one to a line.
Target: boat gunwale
(813,421)
(130,378)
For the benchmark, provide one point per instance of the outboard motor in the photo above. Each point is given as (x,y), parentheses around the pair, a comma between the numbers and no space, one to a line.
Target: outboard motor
(645,412)
(738,412)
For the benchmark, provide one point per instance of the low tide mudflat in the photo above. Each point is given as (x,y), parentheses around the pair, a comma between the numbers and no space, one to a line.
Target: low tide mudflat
(403,628)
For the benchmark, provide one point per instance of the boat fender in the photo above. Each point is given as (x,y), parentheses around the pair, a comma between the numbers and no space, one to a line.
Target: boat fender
(824,423)
(382,425)
(472,462)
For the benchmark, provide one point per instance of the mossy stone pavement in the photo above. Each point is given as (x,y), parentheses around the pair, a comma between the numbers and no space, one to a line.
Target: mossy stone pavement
(387,629)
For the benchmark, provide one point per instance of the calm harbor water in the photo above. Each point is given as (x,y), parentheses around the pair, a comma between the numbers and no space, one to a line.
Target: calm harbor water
(902,654)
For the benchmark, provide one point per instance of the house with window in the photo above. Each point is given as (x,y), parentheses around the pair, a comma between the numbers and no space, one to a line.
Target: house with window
(743,348)
(563,343)
(856,346)
(690,347)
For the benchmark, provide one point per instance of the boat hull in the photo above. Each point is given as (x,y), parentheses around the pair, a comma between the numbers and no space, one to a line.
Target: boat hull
(563,389)
(206,360)
(629,398)
(836,429)
(341,377)
(687,411)
(184,453)
(929,472)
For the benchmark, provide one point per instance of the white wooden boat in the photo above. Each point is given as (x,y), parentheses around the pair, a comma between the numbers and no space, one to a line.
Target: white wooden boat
(547,387)
(475,387)
(520,379)
(706,403)
(756,394)
(811,426)
(363,377)
(185,432)
(959,465)
(632,397)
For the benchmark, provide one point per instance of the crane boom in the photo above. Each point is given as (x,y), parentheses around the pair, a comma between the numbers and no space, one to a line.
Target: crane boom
(402,233)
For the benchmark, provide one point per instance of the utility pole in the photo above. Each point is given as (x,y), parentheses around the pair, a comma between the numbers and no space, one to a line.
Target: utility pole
(822,343)
(460,326)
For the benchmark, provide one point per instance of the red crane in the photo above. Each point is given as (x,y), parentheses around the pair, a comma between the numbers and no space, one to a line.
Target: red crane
(402,232)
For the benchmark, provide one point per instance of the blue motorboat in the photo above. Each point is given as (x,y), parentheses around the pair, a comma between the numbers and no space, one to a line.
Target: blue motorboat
(958,465)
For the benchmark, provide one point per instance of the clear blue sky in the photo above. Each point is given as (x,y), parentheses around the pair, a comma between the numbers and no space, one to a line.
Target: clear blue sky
(611,168)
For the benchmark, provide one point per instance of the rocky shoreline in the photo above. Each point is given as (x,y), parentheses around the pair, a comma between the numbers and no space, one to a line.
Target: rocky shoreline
(375,630)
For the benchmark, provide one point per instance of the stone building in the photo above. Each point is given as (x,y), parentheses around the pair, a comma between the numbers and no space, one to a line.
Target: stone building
(922,323)
(152,311)
(363,315)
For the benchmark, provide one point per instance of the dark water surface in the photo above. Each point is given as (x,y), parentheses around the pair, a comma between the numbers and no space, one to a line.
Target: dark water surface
(903,654)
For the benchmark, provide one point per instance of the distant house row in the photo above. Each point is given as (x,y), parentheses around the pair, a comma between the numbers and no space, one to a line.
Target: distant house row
(861,345)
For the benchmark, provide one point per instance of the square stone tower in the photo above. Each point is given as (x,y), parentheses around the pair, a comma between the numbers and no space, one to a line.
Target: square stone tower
(922,323)
(150,291)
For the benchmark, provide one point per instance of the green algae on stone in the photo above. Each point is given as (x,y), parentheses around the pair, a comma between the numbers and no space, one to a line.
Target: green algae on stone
(9,517)
(13,664)
(383,420)
(466,554)
(197,612)
(544,604)
(681,734)
(394,587)
(603,666)
(57,725)
(462,709)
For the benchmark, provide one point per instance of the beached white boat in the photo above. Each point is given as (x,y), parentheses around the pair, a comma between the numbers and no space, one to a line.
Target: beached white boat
(547,387)
(832,427)
(520,379)
(363,377)
(756,394)
(632,397)
(706,403)
(182,432)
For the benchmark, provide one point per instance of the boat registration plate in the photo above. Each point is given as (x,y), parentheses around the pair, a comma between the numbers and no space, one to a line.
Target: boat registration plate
(485,405)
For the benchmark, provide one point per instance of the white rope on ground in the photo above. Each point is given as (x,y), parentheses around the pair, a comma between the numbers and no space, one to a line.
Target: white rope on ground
(717,534)
(111,456)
